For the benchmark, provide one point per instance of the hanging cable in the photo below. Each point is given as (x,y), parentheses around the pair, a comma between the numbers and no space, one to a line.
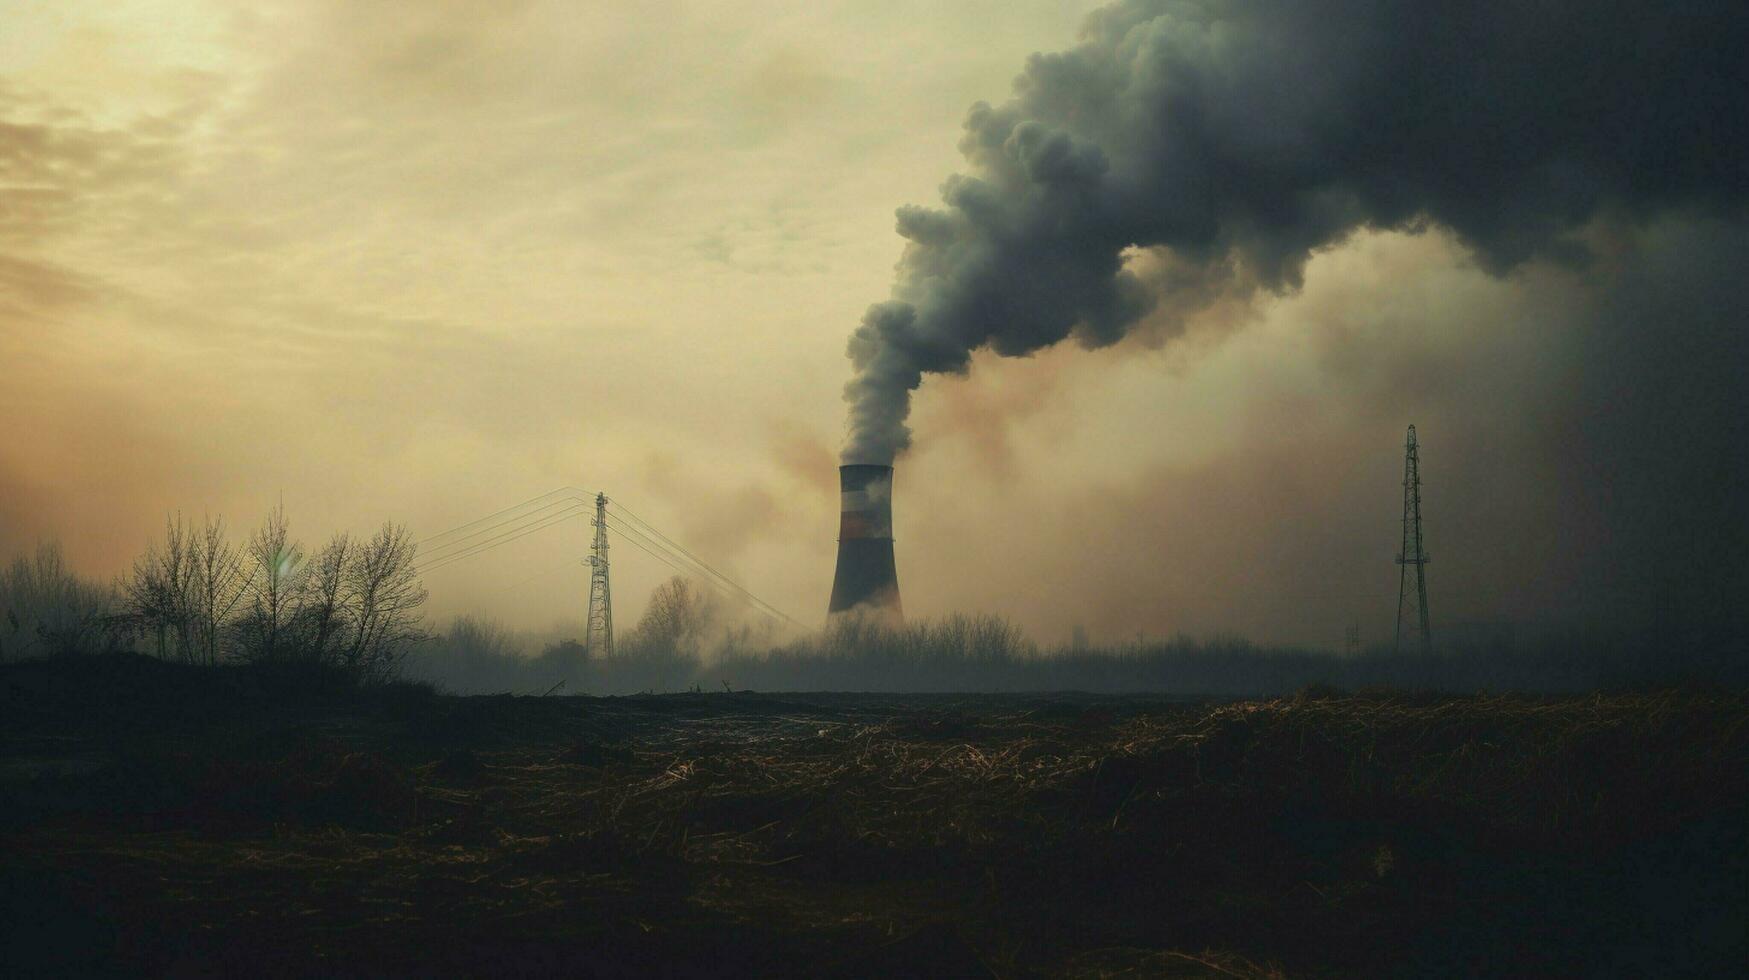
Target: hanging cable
(505,538)
(705,576)
(697,567)
(702,564)
(555,506)
(466,541)
(572,491)
(692,572)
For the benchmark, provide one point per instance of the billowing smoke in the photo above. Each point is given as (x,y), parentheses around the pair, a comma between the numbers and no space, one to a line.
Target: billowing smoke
(1189,150)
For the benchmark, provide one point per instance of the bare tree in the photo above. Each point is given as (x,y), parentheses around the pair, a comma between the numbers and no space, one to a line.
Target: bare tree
(219,582)
(385,596)
(355,604)
(322,609)
(676,619)
(275,586)
(160,591)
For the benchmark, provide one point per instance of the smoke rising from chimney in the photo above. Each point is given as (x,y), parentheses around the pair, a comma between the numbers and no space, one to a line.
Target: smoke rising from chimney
(1190,150)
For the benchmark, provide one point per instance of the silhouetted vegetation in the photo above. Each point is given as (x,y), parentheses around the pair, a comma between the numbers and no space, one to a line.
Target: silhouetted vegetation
(982,653)
(665,651)
(194,597)
(47,610)
(240,798)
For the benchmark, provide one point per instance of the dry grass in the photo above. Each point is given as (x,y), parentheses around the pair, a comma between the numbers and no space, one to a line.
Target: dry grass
(1003,836)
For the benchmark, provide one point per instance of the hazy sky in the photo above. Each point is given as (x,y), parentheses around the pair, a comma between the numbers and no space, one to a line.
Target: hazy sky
(421,261)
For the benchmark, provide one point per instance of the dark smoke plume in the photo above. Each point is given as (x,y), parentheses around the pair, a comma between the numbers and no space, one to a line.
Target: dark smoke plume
(1188,149)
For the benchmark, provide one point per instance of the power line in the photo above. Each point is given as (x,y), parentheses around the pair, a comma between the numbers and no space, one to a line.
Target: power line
(519,521)
(653,554)
(573,491)
(565,493)
(731,583)
(716,580)
(656,551)
(667,557)
(459,545)
(516,524)
(738,592)
(691,572)
(502,539)
(486,546)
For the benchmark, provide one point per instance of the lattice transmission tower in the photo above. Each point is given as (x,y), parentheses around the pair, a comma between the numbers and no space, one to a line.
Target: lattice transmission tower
(598,635)
(1412,598)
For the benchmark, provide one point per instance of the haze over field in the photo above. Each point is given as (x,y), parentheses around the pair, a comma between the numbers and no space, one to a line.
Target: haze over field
(425,261)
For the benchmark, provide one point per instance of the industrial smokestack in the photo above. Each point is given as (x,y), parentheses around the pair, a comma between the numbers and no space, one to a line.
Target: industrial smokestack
(866,578)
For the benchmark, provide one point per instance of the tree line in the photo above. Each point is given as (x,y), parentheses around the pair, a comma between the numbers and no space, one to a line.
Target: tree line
(683,625)
(197,597)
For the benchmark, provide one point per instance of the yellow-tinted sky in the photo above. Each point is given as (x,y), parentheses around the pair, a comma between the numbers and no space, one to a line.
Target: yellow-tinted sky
(423,261)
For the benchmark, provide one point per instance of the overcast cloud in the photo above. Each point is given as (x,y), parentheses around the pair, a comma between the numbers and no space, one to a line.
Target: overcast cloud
(425,261)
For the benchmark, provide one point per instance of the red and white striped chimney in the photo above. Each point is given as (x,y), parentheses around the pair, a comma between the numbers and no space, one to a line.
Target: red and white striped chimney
(866,578)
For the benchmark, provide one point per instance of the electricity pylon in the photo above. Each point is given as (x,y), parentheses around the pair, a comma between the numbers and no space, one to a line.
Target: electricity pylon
(598,636)
(1413,555)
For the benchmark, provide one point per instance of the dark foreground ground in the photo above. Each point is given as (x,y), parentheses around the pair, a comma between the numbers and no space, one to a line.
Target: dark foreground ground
(169,821)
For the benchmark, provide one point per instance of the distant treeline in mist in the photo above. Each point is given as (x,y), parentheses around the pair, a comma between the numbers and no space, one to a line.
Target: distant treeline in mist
(352,609)
(197,597)
(680,645)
